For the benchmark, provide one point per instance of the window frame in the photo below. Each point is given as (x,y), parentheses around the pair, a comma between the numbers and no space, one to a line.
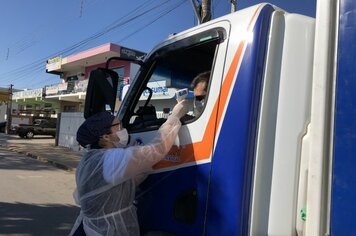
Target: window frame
(139,84)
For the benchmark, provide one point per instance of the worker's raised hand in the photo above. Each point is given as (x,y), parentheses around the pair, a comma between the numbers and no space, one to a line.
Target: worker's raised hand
(180,109)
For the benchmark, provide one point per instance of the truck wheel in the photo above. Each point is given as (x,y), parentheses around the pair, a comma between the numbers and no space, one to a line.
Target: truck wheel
(29,134)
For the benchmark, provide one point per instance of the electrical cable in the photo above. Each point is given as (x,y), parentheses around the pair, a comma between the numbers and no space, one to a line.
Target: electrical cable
(37,66)
(107,29)
(151,22)
(32,39)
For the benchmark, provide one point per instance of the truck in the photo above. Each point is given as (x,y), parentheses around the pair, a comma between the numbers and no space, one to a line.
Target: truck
(273,152)
(39,127)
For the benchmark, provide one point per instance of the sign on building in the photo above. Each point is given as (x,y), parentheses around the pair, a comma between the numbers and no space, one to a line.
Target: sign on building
(54,63)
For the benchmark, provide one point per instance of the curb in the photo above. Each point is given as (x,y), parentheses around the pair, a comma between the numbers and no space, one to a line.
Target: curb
(43,159)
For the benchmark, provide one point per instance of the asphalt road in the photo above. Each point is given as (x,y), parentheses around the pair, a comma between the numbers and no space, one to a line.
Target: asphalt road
(14,139)
(35,198)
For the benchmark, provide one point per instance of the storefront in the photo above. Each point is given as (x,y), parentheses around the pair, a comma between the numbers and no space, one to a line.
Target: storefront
(74,71)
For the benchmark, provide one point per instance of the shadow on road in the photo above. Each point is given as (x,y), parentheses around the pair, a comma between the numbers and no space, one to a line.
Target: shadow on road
(30,219)
(42,149)
(34,138)
(8,162)
(5,138)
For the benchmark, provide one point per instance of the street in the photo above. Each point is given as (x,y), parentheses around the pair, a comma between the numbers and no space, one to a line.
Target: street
(35,198)
(15,139)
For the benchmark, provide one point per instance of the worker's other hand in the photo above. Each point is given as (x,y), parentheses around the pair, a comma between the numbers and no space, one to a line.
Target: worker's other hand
(180,109)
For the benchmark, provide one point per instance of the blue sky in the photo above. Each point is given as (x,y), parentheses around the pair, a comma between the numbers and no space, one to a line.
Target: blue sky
(35,30)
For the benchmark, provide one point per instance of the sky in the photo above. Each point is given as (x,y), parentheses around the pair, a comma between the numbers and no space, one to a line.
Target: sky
(36,30)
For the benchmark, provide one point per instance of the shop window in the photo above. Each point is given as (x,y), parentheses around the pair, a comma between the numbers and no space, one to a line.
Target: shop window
(69,108)
(72,78)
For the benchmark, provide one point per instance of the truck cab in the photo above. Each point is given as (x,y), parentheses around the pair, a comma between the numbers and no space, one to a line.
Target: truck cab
(223,175)
(260,157)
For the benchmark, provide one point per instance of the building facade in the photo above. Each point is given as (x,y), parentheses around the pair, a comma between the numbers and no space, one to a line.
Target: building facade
(68,96)
(74,71)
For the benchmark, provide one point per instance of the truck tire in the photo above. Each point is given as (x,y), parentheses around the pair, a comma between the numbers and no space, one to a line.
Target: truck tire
(29,134)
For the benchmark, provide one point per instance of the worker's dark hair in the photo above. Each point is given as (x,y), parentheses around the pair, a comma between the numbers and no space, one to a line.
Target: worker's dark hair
(202,77)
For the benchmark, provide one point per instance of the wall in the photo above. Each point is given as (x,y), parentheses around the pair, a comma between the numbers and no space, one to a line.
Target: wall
(69,124)
(76,106)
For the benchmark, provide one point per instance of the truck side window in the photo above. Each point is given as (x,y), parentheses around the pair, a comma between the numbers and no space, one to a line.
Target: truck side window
(169,72)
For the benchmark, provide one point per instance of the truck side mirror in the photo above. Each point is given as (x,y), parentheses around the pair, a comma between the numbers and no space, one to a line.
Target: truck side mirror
(101,91)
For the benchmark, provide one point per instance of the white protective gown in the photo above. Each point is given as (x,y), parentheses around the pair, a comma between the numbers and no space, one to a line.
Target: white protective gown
(106,183)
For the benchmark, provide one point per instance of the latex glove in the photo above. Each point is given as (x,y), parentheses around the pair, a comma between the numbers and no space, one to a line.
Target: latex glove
(180,109)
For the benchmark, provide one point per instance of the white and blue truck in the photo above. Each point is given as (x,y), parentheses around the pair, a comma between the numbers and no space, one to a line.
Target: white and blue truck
(274,150)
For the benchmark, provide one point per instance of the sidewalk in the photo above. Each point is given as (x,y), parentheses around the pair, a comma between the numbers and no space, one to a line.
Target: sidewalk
(42,148)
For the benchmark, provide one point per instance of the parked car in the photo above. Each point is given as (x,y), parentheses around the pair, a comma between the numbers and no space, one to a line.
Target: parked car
(39,127)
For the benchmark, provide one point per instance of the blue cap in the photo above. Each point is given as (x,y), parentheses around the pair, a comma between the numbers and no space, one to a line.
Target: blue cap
(94,127)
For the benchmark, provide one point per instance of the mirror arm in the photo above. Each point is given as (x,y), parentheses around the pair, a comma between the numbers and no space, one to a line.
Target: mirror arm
(149,96)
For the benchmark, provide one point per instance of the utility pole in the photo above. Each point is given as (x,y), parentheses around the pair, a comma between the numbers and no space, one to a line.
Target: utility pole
(81,8)
(7,54)
(205,11)
(202,11)
(233,5)
(9,110)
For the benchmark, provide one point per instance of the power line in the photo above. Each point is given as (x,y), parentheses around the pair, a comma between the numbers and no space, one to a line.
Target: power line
(35,37)
(163,13)
(9,110)
(37,65)
(47,80)
(80,43)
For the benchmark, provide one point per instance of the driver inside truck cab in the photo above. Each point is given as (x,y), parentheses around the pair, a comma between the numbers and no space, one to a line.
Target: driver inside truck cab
(200,86)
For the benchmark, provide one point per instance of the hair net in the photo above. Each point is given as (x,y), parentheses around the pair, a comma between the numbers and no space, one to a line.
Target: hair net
(94,127)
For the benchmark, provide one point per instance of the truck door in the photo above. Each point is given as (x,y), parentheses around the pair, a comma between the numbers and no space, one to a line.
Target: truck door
(232,166)
(172,200)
